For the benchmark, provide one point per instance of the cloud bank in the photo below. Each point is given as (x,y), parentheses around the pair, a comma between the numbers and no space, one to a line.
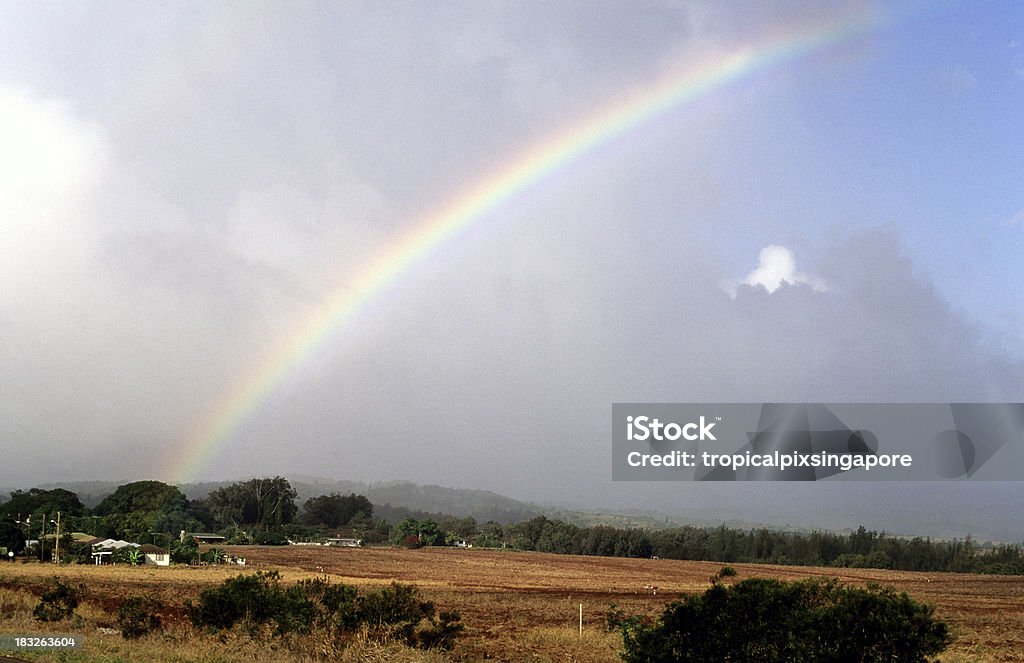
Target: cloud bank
(776,266)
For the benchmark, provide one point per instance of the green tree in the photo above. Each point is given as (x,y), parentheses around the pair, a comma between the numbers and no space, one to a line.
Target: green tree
(336,510)
(135,509)
(426,532)
(261,503)
(558,537)
(39,501)
(490,536)
(144,496)
(11,536)
(463,528)
(184,552)
(526,535)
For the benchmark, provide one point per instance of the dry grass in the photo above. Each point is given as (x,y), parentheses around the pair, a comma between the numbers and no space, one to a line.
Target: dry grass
(515,606)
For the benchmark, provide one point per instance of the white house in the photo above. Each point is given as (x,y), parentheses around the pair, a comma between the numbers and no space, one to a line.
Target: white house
(155,555)
(103,550)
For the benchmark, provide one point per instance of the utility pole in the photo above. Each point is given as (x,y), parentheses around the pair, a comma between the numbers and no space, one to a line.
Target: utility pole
(56,547)
(42,541)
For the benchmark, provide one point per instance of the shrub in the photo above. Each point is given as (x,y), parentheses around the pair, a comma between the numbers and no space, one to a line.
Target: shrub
(617,620)
(256,598)
(333,606)
(394,612)
(442,632)
(136,617)
(185,552)
(770,620)
(58,602)
(724,572)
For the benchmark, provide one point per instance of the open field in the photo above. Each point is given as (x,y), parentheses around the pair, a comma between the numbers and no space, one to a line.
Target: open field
(516,606)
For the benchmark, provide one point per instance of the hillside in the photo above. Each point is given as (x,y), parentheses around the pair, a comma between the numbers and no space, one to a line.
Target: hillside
(392,500)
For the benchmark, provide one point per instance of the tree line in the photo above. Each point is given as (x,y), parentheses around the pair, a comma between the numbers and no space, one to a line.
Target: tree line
(259,510)
(264,511)
(862,548)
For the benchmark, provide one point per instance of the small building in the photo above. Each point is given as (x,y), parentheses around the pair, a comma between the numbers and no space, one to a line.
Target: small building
(203,537)
(85,539)
(345,542)
(155,555)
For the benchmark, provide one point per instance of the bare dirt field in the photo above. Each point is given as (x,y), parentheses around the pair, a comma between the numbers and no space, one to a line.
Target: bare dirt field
(525,606)
(502,595)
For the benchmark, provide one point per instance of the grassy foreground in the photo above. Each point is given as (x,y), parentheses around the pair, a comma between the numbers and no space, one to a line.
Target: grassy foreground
(515,606)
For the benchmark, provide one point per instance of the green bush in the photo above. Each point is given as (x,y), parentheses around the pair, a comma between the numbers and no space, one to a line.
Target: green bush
(185,552)
(128,555)
(723,573)
(617,619)
(136,617)
(774,621)
(256,598)
(395,611)
(58,602)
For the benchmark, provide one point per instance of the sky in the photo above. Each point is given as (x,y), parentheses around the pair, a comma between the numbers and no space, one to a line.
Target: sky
(195,196)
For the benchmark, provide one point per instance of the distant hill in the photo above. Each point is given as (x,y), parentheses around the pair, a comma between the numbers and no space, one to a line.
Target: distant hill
(392,500)
(395,500)
(90,493)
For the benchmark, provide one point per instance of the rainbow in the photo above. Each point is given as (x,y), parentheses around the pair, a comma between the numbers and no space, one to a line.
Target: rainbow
(673,90)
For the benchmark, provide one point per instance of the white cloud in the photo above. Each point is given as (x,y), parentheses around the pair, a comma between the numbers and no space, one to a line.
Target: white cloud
(50,163)
(776,266)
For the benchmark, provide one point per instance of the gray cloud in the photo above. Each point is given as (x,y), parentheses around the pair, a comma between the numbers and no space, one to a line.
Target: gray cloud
(223,171)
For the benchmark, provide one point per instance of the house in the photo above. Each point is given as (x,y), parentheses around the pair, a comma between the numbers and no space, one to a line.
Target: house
(155,555)
(102,551)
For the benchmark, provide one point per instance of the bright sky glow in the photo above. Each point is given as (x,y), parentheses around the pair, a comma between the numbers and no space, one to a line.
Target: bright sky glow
(379,242)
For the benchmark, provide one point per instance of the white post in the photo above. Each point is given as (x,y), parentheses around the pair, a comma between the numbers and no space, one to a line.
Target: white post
(56,549)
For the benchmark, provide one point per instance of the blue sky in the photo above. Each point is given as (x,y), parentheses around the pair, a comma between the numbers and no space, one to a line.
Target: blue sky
(921,133)
(182,185)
